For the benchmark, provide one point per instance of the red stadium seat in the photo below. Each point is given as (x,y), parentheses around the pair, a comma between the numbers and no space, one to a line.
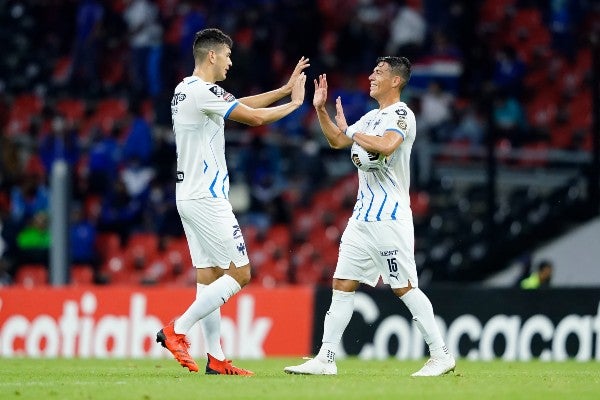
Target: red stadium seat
(22,111)
(31,275)
(108,244)
(82,274)
(72,109)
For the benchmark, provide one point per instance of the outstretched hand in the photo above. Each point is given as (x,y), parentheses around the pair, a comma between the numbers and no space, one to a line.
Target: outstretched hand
(299,90)
(301,66)
(340,118)
(320,96)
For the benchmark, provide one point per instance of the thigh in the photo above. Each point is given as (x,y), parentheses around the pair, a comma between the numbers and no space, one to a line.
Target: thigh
(354,260)
(392,251)
(213,233)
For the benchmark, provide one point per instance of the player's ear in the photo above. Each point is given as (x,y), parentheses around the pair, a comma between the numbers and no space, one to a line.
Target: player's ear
(397,81)
(212,56)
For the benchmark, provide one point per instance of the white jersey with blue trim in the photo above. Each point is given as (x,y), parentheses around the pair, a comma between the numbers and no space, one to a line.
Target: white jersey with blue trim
(384,194)
(199,109)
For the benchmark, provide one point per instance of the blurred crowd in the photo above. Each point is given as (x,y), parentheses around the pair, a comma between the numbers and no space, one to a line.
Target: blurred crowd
(90,82)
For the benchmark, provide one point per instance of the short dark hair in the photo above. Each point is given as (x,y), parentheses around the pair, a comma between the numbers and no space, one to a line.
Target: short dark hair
(209,39)
(399,65)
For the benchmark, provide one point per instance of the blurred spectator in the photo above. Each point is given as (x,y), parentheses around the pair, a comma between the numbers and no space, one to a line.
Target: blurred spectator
(82,241)
(145,43)
(119,212)
(85,54)
(103,160)
(436,112)
(540,278)
(136,177)
(408,31)
(33,241)
(160,213)
(60,143)
(471,126)
(508,118)
(193,20)
(138,136)
(563,15)
(28,199)
(442,47)
(509,71)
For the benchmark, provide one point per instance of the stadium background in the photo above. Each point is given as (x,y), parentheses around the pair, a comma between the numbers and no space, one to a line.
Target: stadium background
(505,170)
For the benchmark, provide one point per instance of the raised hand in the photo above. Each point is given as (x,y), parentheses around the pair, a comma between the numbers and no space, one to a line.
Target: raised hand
(320,96)
(301,66)
(340,118)
(299,90)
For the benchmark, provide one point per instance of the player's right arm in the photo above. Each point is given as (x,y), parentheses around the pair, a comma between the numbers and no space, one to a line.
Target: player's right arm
(334,135)
(261,116)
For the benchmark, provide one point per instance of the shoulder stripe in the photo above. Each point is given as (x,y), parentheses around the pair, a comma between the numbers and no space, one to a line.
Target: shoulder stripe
(397,131)
(234,105)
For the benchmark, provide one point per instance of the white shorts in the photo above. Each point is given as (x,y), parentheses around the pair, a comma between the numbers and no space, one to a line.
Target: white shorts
(213,233)
(369,250)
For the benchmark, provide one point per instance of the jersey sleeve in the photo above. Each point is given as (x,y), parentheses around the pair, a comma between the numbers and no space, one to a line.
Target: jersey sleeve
(213,99)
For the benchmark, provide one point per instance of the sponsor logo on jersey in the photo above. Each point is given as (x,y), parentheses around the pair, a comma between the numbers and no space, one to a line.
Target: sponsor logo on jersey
(177,98)
(402,124)
(401,112)
(386,253)
(237,232)
(220,92)
(241,248)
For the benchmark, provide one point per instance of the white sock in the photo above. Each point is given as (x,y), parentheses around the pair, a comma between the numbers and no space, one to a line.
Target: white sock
(336,321)
(422,311)
(212,297)
(211,328)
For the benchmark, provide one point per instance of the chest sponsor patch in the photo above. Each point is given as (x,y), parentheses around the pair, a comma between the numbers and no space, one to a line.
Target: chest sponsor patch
(220,92)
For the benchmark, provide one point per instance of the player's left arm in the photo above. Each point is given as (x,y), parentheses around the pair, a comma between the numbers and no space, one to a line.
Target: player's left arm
(386,144)
(267,98)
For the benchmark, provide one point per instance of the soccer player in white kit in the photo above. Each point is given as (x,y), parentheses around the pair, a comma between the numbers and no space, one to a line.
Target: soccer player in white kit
(379,238)
(199,108)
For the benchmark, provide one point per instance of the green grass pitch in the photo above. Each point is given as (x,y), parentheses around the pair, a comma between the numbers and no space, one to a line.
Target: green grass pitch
(26,378)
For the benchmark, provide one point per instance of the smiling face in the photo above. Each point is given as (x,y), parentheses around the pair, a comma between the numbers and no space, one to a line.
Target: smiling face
(383,82)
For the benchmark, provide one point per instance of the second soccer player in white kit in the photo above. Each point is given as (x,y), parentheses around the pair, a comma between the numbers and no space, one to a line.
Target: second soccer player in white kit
(379,238)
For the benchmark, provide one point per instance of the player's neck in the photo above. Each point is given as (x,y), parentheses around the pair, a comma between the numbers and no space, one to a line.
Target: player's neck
(388,101)
(203,74)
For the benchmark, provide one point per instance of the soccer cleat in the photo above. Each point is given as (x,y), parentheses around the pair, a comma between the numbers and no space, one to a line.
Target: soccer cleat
(313,366)
(225,367)
(437,366)
(178,345)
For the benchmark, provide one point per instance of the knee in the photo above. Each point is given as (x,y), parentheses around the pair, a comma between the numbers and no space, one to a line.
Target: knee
(241,274)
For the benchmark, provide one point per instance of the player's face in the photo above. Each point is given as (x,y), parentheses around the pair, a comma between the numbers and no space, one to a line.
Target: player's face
(223,62)
(380,79)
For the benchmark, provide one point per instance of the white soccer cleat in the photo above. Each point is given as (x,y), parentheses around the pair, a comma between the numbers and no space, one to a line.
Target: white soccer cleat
(437,366)
(313,367)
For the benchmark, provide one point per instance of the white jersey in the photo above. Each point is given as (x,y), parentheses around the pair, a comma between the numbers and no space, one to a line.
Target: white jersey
(384,194)
(199,110)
